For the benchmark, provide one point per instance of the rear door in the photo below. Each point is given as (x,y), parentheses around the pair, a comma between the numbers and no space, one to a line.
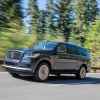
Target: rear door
(73,57)
(66,58)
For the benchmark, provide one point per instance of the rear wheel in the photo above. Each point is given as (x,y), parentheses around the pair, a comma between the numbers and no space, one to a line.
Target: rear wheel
(42,72)
(81,73)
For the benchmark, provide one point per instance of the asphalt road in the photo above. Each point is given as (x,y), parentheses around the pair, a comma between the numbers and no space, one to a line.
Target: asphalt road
(62,88)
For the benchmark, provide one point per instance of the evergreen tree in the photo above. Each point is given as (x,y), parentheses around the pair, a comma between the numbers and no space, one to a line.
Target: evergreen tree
(11,34)
(10,10)
(34,14)
(86,14)
(16,15)
(3,17)
(91,11)
(93,43)
(63,9)
(42,28)
(49,17)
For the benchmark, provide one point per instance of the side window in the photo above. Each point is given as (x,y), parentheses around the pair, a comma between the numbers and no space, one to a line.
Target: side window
(83,52)
(72,50)
(62,49)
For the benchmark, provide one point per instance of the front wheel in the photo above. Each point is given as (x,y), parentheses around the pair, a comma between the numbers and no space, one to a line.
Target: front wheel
(81,73)
(42,72)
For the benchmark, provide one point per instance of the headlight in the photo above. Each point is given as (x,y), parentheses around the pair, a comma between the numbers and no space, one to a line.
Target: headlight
(26,59)
(36,55)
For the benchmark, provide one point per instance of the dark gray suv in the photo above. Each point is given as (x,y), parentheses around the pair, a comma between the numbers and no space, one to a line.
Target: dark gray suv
(47,58)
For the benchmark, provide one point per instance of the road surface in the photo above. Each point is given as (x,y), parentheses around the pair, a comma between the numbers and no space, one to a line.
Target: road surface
(62,88)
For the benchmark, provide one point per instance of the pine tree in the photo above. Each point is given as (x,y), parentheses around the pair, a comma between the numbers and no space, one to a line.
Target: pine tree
(63,8)
(34,13)
(93,43)
(3,17)
(16,15)
(10,24)
(86,14)
(10,11)
(49,17)
(91,11)
(42,25)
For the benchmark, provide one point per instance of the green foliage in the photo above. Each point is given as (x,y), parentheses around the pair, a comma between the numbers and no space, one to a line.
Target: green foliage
(54,37)
(10,10)
(93,43)
(86,14)
(93,37)
(63,8)
(49,17)
(34,13)
(11,34)
(42,28)
(14,40)
(63,20)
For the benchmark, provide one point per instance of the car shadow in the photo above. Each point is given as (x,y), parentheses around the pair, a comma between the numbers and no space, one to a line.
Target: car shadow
(66,80)
(71,80)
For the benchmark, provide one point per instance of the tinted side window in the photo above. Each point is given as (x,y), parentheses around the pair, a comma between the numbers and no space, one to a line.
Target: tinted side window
(72,50)
(62,49)
(83,52)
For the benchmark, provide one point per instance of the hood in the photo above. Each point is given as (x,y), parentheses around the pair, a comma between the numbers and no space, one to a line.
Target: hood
(22,49)
(44,51)
(30,50)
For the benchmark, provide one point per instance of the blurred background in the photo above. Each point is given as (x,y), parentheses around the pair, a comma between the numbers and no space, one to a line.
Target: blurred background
(25,22)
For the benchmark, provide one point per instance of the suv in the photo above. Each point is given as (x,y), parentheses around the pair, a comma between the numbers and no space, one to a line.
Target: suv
(47,58)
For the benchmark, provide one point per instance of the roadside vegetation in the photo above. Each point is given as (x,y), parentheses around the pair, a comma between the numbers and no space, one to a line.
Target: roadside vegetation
(75,21)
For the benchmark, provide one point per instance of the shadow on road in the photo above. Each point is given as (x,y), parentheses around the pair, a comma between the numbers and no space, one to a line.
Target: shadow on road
(73,81)
(68,80)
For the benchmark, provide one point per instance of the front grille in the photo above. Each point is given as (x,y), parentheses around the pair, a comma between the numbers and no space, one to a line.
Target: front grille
(14,54)
(11,63)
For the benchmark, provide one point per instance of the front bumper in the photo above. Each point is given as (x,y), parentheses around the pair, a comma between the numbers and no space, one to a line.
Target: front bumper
(17,69)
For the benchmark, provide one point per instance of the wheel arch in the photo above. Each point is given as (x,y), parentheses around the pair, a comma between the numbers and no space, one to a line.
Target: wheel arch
(84,65)
(43,61)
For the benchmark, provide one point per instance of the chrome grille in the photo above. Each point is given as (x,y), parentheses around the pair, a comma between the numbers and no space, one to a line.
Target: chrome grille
(15,54)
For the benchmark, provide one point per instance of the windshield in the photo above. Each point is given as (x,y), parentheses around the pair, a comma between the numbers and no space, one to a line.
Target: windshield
(45,45)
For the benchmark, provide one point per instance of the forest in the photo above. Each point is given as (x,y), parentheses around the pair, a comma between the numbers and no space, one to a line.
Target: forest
(74,21)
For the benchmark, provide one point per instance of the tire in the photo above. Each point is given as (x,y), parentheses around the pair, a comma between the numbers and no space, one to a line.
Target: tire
(42,72)
(81,73)
(14,74)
